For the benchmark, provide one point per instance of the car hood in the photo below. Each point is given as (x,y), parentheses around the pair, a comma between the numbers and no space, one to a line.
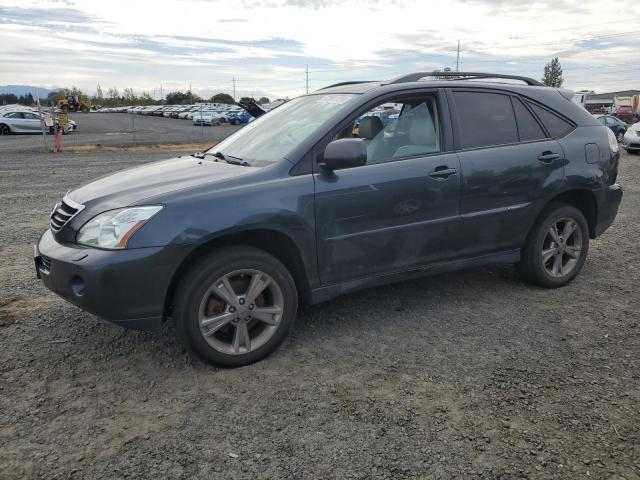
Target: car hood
(131,186)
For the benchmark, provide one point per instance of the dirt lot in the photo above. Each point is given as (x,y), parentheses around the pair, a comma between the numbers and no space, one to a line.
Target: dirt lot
(465,375)
(110,129)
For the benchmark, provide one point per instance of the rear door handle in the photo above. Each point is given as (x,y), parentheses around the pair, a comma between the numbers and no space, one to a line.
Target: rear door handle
(548,157)
(443,172)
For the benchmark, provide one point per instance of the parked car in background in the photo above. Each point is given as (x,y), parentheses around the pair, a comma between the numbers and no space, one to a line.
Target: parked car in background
(239,117)
(20,122)
(27,122)
(631,139)
(617,126)
(204,118)
(292,208)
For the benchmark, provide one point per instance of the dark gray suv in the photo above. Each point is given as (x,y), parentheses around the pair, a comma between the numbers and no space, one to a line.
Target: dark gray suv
(354,185)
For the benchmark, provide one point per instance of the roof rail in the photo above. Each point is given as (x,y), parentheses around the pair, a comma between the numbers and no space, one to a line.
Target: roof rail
(341,84)
(414,77)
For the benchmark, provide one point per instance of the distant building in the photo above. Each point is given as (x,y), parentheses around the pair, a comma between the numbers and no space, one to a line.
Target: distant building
(604,102)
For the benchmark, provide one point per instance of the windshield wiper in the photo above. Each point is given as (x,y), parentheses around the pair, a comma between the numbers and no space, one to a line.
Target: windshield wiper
(228,158)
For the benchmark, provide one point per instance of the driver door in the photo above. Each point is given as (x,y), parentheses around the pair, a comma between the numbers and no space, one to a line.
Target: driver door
(400,210)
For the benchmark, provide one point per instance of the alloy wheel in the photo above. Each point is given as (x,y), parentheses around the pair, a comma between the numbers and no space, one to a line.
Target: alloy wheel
(620,137)
(561,247)
(241,311)
(4,130)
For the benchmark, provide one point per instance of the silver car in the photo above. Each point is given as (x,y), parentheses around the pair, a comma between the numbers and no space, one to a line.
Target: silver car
(26,122)
(19,122)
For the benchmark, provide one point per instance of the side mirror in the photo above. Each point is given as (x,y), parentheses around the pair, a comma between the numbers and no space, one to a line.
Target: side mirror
(344,153)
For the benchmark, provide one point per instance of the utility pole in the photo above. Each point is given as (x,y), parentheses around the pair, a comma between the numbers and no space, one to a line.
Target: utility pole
(191,93)
(307,77)
(234,89)
(458,58)
(161,102)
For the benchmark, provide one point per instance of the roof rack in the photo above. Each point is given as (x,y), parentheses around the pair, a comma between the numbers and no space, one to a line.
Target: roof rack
(342,84)
(414,77)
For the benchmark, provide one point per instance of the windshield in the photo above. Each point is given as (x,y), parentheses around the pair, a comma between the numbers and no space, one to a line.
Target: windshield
(274,135)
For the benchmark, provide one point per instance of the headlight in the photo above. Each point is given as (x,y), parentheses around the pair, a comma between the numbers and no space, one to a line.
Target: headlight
(113,229)
(613,142)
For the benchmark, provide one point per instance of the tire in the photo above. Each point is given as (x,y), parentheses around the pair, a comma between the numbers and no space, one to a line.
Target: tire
(633,152)
(199,306)
(550,272)
(620,136)
(4,129)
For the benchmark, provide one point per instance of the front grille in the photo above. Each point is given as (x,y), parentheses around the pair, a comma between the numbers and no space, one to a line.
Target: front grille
(63,212)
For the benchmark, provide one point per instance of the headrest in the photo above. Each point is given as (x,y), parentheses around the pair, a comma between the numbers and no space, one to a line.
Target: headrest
(370,127)
(422,132)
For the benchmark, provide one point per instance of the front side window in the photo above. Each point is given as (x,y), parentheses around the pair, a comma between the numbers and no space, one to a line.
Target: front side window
(277,133)
(485,119)
(397,129)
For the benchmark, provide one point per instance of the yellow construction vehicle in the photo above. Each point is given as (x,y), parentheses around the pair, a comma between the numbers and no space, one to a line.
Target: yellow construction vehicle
(74,104)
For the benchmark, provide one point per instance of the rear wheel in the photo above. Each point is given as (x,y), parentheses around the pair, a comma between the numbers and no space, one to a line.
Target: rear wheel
(620,136)
(556,248)
(234,307)
(4,129)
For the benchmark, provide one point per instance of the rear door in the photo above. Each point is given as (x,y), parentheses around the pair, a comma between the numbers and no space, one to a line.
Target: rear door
(401,209)
(32,122)
(508,162)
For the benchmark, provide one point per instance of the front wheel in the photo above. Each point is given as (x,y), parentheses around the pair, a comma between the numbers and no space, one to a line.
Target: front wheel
(556,247)
(235,306)
(620,136)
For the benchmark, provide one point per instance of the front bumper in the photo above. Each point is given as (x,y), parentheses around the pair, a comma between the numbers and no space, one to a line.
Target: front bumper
(608,202)
(126,287)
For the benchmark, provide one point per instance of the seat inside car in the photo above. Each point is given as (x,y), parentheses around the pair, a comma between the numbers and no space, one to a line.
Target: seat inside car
(370,127)
(422,138)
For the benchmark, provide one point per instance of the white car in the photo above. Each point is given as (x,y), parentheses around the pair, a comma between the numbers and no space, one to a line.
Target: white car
(204,118)
(631,140)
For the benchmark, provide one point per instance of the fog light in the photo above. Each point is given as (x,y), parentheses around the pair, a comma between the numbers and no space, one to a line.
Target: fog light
(77,286)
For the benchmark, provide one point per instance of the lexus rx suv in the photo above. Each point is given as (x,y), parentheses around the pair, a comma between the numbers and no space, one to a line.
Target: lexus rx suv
(302,206)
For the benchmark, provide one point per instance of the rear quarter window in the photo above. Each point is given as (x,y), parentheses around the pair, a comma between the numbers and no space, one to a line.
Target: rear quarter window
(554,123)
(528,126)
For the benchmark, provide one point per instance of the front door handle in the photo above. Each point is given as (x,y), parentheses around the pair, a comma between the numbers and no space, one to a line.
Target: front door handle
(443,172)
(548,157)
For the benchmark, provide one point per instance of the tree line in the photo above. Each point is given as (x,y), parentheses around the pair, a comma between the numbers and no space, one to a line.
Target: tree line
(116,98)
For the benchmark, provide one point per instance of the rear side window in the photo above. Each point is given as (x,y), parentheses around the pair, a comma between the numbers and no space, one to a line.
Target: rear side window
(528,126)
(485,119)
(555,125)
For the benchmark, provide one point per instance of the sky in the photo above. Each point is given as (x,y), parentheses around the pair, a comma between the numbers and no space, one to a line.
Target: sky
(267,45)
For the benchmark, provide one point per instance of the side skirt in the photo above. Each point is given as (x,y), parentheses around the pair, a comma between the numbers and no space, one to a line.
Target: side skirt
(328,292)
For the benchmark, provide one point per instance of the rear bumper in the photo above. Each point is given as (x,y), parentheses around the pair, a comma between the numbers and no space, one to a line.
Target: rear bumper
(608,200)
(125,287)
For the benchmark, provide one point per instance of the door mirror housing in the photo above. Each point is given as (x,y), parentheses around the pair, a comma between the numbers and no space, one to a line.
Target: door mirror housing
(344,153)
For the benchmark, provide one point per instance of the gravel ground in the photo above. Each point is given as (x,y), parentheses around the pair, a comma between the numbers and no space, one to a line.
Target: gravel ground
(116,129)
(464,375)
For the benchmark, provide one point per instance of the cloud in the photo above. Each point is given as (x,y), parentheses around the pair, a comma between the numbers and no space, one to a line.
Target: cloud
(267,44)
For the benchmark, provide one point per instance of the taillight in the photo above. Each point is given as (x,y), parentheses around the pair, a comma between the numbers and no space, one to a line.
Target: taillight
(613,142)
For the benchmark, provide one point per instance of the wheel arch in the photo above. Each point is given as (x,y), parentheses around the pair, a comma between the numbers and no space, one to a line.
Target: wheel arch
(581,198)
(274,242)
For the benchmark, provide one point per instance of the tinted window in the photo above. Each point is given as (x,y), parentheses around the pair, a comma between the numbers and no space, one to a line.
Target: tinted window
(485,119)
(31,116)
(14,115)
(528,126)
(555,125)
(602,120)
